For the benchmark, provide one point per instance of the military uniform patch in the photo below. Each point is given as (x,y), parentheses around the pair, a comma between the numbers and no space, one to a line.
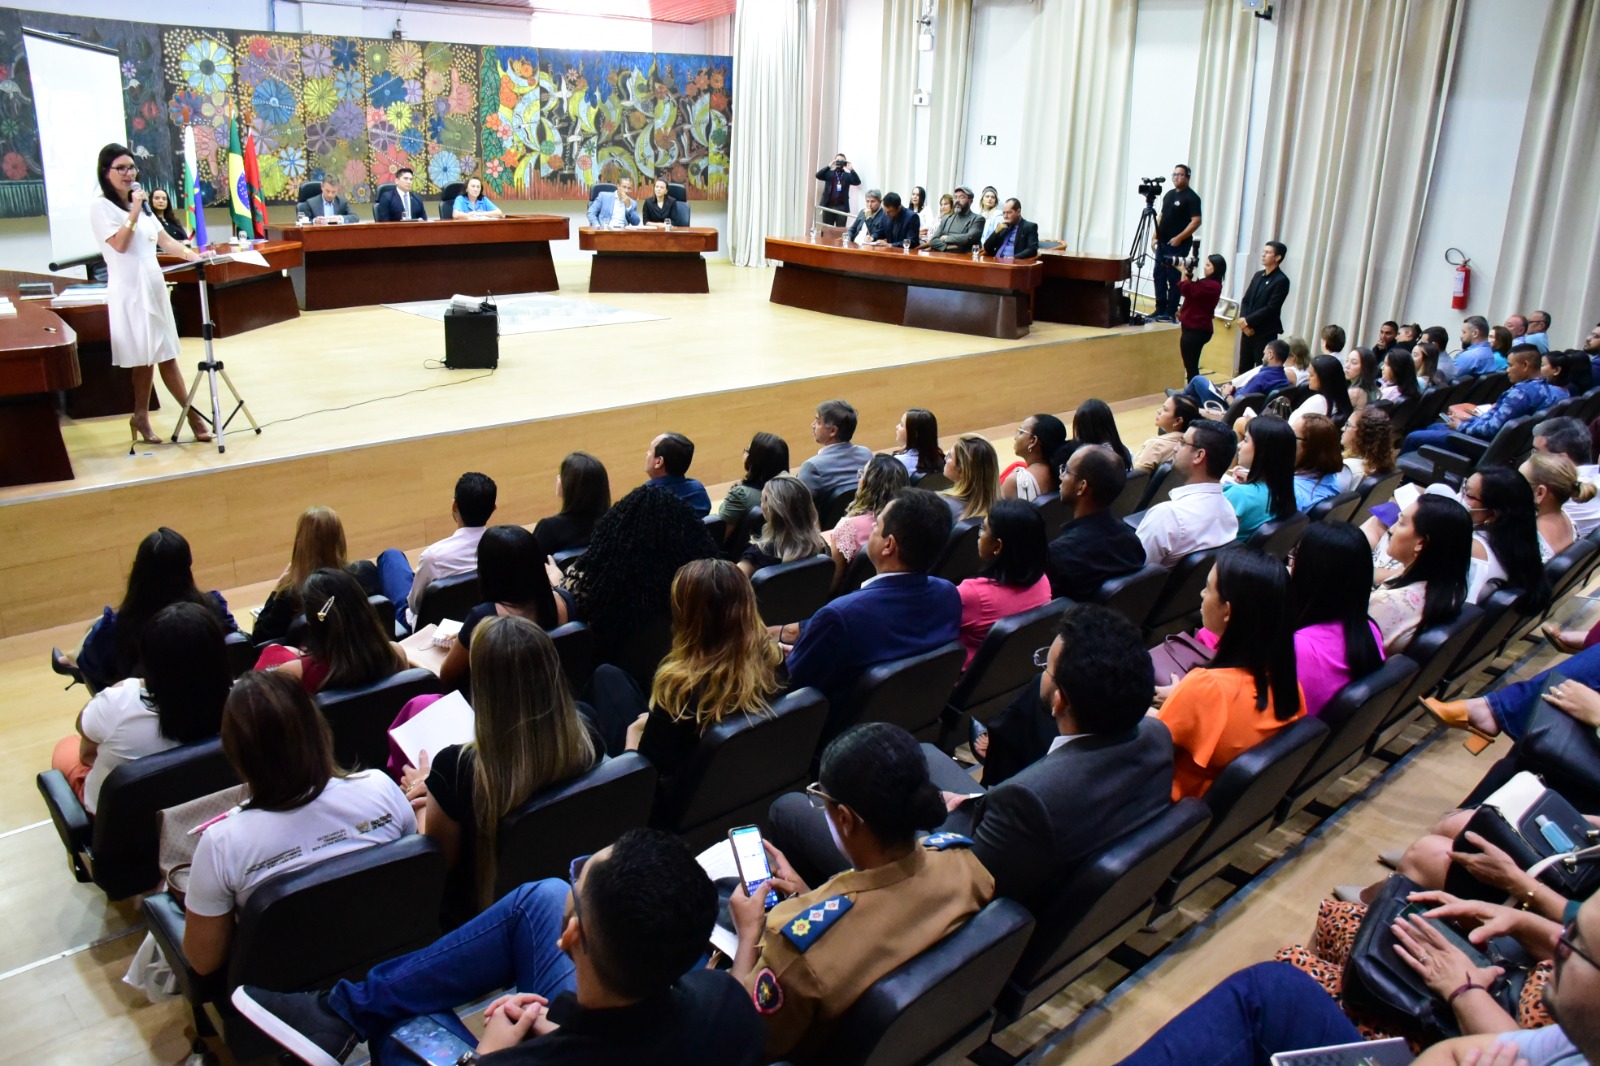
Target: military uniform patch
(810,924)
(768,994)
(941,841)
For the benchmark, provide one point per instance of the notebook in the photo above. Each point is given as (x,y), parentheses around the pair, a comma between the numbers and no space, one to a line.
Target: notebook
(1364,1053)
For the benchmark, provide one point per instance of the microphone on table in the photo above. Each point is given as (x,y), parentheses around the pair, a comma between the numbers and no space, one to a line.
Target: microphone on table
(136,187)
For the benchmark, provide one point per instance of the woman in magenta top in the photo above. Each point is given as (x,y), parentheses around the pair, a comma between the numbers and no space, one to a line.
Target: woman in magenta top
(1012,547)
(1335,642)
(1200,298)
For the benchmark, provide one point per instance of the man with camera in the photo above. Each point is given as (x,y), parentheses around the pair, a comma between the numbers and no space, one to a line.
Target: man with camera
(1174,240)
(837,177)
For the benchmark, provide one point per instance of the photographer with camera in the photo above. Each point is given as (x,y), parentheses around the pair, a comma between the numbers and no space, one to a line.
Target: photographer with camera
(1175,227)
(1200,296)
(838,176)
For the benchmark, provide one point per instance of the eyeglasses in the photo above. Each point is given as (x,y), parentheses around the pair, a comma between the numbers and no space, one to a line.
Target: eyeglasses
(1565,948)
(1041,658)
(575,871)
(126,168)
(818,798)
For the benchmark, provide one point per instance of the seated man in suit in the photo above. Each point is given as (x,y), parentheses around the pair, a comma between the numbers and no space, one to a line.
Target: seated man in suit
(613,210)
(899,613)
(1015,237)
(456,554)
(1107,772)
(666,465)
(400,204)
(327,207)
(960,229)
(900,224)
(869,221)
(838,462)
(1196,516)
(1096,545)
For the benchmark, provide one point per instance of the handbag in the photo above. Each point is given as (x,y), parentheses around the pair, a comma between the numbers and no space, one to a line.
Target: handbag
(1282,407)
(1530,822)
(175,851)
(1561,750)
(1177,655)
(1380,985)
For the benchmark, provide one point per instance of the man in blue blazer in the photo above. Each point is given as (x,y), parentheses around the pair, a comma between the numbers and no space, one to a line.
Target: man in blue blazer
(400,204)
(609,208)
(899,613)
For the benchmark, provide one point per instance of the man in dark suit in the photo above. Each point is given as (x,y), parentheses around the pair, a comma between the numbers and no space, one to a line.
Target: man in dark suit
(400,204)
(1108,770)
(1015,237)
(327,206)
(837,178)
(1262,306)
(1096,545)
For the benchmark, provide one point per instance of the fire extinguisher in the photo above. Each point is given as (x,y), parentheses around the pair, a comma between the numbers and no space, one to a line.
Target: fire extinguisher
(1463,286)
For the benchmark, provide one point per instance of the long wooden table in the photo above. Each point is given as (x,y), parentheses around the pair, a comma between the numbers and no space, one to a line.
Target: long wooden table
(243,296)
(932,290)
(38,358)
(646,259)
(1083,290)
(369,263)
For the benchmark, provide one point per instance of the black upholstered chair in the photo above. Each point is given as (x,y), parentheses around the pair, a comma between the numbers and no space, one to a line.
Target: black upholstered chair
(1133,595)
(1375,489)
(1278,538)
(792,592)
(447,198)
(1055,514)
(575,646)
(1157,490)
(958,560)
(377,194)
(856,574)
(1352,716)
(680,207)
(1467,454)
(567,556)
(448,597)
(599,187)
(1179,599)
(716,527)
(831,506)
(640,652)
(309,190)
(1133,491)
(118,848)
(541,838)
(241,652)
(747,529)
(1338,508)
(1500,616)
(1003,663)
(360,717)
(910,692)
(1434,650)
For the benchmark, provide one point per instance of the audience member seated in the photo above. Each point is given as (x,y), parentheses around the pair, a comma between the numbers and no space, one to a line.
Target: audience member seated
(614,210)
(1407,335)
(658,209)
(345,643)
(400,204)
(1093,423)
(900,227)
(1568,370)
(179,701)
(1103,776)
(1298,366)
(1261,488)
(1319,462)
(1477,354)
(1249,690)
(988,209)
(898,613)
(624,581)
(1096,545)
(1388,334)
(1361,374)
(838,462)
(527,737)
(1273,373)
(302,809)
(722,664)
(584,490)
(162,574)
(1196,515)
(1529,393)
(1173,418)
(1431,540)
(1555,484)
(318,542)
(916,439)
(1433,367)
(896,897)
(960,230)
(1330,393)
(1035,443)
(472,204)
(1399,377)
(1500,342)
(789,531)
(514,583)
(1570,437)
(880,479)
(1335,643)
(666,467)
(1013,237)
(1368,441)
(1505,538)
(471,510)
(974,473)
(606,967)
(1538,333)
(326,204)
(1507,709)
(765,458)
(869,221)
(1011,546)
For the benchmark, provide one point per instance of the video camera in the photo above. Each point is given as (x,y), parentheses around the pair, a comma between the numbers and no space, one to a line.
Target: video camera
(1150,188)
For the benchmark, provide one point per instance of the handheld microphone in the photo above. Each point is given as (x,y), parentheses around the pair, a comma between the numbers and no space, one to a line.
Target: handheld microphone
(136,187)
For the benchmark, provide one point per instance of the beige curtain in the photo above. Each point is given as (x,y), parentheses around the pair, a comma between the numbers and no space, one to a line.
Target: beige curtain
(897,118)
(1550,254)
(1079,76)
(1221,128)
(826,36)
(1358,94)
(769,184)
(947,127)
(719,35)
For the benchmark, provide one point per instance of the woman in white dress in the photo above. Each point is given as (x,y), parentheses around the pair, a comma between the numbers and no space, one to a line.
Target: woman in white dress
(144,334)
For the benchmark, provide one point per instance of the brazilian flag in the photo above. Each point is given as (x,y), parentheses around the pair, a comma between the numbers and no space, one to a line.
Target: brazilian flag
(238,184)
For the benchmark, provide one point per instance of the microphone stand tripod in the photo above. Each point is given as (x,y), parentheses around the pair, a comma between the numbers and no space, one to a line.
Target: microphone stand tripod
(210,368)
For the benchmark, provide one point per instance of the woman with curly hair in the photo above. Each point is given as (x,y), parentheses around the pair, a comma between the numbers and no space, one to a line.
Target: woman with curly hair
(1368,441)
(881,478)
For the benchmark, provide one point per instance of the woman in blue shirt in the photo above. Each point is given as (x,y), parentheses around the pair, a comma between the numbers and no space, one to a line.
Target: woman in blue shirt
(473,204)
(1263,488)
(1319,460)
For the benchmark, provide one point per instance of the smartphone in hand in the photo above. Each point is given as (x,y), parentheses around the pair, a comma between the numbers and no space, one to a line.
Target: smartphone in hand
(750,855)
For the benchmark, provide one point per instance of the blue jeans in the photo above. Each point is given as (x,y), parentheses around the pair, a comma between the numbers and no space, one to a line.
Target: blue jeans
(395,576)
(1202,392)
(513,943)
(1165,277)
(1514,704)
(1244,1021)
(1437,435)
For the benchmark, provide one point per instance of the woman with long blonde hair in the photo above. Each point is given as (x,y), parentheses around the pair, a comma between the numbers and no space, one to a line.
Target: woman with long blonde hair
(974,471)
(1555,481)
(318,543)
(791,531)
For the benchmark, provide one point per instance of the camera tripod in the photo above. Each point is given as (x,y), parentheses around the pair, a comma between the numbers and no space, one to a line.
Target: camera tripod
(209,368)
(1139,252)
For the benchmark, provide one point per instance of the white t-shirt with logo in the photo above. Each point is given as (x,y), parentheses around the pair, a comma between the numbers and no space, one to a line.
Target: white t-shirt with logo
(237,854)
(125,728)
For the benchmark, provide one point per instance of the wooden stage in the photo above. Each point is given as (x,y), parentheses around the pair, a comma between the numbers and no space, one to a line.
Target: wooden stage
(354,419)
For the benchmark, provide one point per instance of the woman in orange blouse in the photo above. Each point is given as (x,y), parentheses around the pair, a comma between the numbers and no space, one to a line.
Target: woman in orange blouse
(1249,690)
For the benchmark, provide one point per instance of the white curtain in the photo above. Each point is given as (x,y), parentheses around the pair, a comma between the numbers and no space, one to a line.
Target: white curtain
(719,35)
(947,126)
(826,31)
(1550,254)
(1358,94)
(1221,128)
(897,117)
(1075,100)
(768,182)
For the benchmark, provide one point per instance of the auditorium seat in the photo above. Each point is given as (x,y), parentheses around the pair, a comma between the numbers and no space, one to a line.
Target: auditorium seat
(377,194)
(1179,600)
(240,651)
(680,209)
(1340,508)
(541,838)
(739,767)
(575,647)
(295,635)
(599,187)
(1500,616)
(1278,537)
(831,506)
(1466,455)
(1134,595)
(1488,387)
(1002,666)
(1133,491)
(360,717)
(1352,716)
(118,848)
(1433,403)
(640,651)
(716,528)
(1157,489)
(308,928)
(910,693)
(448,597)
(1055,514)
(1375,489)
(567,556)
(793,592)
(1566,571)
(447,198)
(749,527)
(856,574)
(958,560)
(933,481)
(936,1007)
(1434,650)
(309,190)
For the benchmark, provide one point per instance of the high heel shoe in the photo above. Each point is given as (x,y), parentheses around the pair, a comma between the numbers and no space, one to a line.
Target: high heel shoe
(1559,640)
(137,432)
(197,426)
(1454,715)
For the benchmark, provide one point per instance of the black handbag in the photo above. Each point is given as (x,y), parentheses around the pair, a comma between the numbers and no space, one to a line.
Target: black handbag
(1549,826)
(1561,750)
(1381,986)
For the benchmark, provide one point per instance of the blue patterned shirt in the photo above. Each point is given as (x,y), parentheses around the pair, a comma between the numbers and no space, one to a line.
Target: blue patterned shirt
(1523,398)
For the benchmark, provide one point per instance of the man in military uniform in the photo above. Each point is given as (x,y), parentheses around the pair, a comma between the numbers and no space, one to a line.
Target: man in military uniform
(899,899)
